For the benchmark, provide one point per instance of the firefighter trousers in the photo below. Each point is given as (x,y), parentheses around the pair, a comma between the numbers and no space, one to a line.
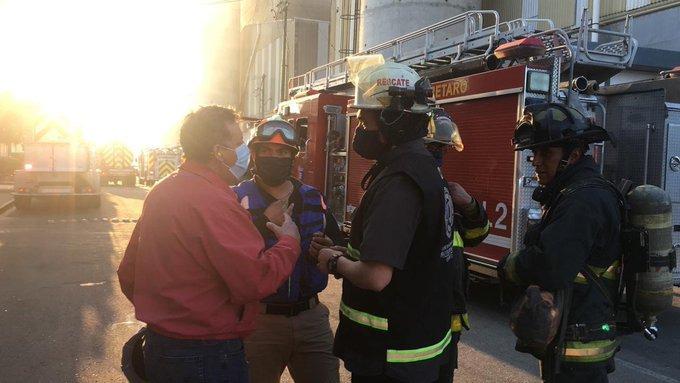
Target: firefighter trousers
(582,372)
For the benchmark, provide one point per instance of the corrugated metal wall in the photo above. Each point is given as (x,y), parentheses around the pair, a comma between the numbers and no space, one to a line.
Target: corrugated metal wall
(608,7)
(611,7)
(508,10)
(563,12)
(559,11)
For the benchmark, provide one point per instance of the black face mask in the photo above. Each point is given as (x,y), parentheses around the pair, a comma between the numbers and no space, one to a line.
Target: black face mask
(273,171)
(367,144)
(438,153)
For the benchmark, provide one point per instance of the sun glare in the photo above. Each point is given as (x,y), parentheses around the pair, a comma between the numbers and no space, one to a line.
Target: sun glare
(117,70)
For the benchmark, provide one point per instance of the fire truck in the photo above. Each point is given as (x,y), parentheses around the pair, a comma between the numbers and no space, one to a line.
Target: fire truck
(155,164)
(115,164)
(484,72)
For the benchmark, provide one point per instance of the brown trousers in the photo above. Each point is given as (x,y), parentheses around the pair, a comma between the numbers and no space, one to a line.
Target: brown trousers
(303,343)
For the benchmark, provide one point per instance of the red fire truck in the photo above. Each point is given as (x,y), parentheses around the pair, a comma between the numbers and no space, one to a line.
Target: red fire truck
(484,72)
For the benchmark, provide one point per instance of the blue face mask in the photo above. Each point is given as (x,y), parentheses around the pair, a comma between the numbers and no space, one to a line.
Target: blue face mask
(240,167)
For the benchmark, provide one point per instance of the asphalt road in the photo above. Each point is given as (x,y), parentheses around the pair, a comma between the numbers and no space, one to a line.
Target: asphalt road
(64,319)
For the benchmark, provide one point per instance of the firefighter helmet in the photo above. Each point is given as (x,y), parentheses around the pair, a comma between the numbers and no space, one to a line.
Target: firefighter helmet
(276,130)
(388,85)
(553,124)
(442,130)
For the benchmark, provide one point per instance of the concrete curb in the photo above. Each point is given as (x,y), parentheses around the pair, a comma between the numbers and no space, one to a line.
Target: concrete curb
(6,206)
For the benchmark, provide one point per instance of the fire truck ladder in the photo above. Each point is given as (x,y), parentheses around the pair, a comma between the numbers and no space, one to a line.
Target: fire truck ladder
(464,38)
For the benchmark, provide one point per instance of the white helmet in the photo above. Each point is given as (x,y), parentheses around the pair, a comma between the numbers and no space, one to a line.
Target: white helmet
(388,85)
(442,130)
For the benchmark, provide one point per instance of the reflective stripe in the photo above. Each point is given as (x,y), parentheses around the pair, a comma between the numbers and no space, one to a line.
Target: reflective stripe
(363,318)
(611,273)
(478,232)
(457,240)
(353,253)
(652,221)
(591,352)
(456,323)
(460,321)
(418,354)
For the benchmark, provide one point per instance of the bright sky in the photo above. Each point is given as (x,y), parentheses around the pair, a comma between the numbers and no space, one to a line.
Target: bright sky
(119,69)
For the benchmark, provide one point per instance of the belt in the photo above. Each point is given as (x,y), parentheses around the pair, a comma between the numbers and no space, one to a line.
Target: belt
(290,309)
(586,333)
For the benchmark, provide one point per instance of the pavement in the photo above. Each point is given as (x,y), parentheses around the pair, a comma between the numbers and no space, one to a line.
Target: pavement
(62,316)
(64,319)
(5,197)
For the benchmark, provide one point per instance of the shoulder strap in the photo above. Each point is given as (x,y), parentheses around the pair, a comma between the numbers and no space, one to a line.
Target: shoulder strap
(598,182)
(593,279)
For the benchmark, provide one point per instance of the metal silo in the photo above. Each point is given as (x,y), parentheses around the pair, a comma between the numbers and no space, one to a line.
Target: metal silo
(382,20)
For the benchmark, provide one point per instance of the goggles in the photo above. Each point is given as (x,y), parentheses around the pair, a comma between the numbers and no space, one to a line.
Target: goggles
(269,129)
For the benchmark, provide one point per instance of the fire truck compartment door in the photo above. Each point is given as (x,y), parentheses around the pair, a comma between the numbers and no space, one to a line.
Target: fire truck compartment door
(672,179)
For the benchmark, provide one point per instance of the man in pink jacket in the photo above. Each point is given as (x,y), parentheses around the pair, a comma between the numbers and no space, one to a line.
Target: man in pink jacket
(195,267)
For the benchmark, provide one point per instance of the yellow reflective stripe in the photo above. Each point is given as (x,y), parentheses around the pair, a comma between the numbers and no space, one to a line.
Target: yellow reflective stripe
(611,273)
(478,232)
(591,352)
(580,279)
(363,318)
(460,321)
(353,253)
(457,240)
(456,323)
(418,354)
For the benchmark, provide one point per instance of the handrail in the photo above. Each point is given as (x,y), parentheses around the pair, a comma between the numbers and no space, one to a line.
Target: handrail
(477,41)
(473,25)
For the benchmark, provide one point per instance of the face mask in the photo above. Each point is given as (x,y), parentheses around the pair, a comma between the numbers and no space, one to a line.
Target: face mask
(273,171)
(240,166)
(438,158)
(367,144)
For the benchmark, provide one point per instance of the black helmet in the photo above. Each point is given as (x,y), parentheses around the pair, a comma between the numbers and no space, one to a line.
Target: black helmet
(553,124)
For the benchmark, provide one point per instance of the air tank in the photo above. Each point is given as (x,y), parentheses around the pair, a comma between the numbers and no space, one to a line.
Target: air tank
(383,20)
(651,210)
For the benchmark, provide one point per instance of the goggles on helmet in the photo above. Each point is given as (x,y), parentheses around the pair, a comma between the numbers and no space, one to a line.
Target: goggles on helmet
(268,131)
(276,131)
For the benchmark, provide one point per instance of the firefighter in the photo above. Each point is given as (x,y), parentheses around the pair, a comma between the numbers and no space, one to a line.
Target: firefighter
(293,330)
(471,223)
(398,268)
(578,234)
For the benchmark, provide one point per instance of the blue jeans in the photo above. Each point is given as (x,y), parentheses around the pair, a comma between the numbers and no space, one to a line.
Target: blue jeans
(194,361)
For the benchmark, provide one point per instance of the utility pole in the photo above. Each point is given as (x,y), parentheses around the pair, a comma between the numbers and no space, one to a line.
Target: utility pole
(282,9)
(262,95)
